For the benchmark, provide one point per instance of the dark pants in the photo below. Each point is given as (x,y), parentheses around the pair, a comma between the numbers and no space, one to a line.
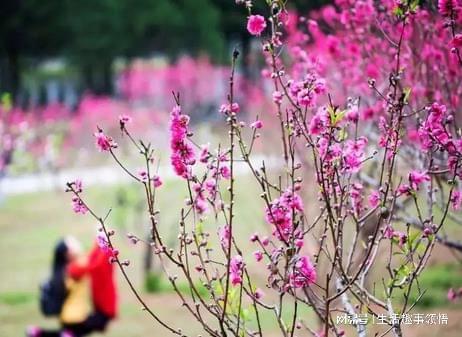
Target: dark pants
(95,322)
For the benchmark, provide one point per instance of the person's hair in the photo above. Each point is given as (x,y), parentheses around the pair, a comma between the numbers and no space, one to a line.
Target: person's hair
(60,261)
(60,257)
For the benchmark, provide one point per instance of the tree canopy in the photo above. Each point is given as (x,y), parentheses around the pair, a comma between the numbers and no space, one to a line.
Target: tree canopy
(91,33)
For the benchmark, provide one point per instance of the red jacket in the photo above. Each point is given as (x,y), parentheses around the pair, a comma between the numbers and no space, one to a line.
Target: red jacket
(101,273)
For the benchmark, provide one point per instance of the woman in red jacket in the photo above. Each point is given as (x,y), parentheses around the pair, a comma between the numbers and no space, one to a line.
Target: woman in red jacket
(103,290)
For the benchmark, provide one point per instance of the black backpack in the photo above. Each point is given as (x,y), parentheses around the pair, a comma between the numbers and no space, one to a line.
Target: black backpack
(52,296)
(53,291)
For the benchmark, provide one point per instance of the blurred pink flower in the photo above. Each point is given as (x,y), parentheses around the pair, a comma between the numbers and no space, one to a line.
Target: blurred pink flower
(235,268)
(389,232)
(452,295)
(456,199)
(374,198)
(257,124)
(103,142)
(78,186)
(156,181)
(281,211)
(258,255)
(427,231)
(256,24)
(143,175)
(456,42)
(124,119)
(224,236)
(78,205)
(225,172)
(204,154)
(303,273)
(258,293)
(277,97)
(226,109)
(183,156)
(299,243)
(445,7)
(416,178)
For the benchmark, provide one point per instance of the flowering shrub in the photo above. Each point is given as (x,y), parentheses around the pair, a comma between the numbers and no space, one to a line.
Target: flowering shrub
(201,83)
(145,91)
(14,133)
(372,120)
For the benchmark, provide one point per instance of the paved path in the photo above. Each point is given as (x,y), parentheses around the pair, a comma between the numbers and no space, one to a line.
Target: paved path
(106,175)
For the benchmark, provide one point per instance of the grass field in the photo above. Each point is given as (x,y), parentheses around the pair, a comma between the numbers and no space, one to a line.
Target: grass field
(31,224)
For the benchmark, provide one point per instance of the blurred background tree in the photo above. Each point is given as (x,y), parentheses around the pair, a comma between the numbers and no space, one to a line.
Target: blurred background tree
(90,34)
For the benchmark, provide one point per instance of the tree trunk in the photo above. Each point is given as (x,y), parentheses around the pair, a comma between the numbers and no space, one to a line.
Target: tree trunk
(148,260)
(106,79)
(12,73)
(87,76)
(97,78)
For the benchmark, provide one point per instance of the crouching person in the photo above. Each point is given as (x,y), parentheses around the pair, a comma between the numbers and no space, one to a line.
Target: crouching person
(100,271)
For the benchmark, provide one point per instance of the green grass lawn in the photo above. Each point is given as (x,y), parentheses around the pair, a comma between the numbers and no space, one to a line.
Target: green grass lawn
(31,224)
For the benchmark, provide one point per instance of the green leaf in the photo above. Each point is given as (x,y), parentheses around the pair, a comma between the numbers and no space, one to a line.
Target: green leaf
(404,271)
(414,5)
(414,235)
(245,314)
(343,134)
(398,11)
(6,102)
(217,288)
(335,115)
(200,228)
(407,93)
